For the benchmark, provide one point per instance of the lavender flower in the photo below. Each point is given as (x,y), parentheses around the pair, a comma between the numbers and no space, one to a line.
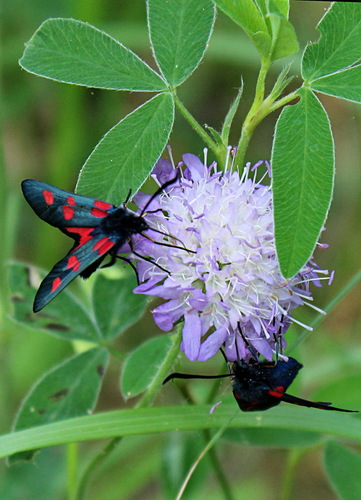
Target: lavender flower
(231,283)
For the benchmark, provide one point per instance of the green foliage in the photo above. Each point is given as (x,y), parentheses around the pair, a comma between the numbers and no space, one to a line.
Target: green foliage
(274,438)
(65,317)
(273,36)
(143,364)
(118,308)
(328,66)
(302,172)
(71,51)
(125,156)
(56,410)
(340,43)
(345,84)
(343,469)
(68,390)
(170,418)
(179,33)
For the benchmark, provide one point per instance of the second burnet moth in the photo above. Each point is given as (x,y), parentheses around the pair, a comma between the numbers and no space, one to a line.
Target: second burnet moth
(98,228)
(260,385)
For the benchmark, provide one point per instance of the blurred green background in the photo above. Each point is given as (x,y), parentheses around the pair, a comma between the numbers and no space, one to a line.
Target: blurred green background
(49,130)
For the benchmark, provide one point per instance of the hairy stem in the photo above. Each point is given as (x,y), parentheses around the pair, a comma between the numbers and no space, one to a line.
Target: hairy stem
(252,119)
(196,126)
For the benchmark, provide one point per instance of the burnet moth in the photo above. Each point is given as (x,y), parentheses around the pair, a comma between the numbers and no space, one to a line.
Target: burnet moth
(260,385)
(98,228)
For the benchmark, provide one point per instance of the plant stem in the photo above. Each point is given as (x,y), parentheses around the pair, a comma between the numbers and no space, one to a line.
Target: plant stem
(330,306)
(252,119)
(146,400)
(72,466)
(94,464)
(195,125)
(285,100)
(226,490)
(292,461)
(222,479)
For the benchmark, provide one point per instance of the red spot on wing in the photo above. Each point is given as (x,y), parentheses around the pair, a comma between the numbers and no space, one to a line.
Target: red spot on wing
(102,204)
(48,197)
(96,212)
(55,285)
(103,246)
(83,232)
(70,201)
(73,263)
(68,212)
(277,392)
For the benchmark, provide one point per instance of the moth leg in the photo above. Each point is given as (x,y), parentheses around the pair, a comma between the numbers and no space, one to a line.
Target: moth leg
(248,345)
(113,259)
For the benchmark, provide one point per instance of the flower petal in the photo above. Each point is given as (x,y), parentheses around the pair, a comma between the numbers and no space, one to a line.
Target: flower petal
(212,344)
(191,335)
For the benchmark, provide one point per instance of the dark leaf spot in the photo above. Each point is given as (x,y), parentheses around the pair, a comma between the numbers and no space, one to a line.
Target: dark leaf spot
(55,326)
(17,298)
(59,395)
(100,370)
(45,315)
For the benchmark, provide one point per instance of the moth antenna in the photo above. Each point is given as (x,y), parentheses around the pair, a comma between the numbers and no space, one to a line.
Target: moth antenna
(225,358)
(148,259)
(249,346)
(128,261)
(167,244)
(189,375)
(278,342)
(157,192)
(128,197)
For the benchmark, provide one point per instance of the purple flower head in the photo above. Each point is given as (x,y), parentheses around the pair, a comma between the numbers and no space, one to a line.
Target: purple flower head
(229,289)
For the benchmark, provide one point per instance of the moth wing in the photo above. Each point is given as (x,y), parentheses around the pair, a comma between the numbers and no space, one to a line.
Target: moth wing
(61,208)
(312,404)
(74,263)
(283,373)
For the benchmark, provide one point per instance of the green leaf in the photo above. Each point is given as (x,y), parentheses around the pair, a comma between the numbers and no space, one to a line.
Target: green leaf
(75,52)
(64,317)
(284,39)
(276,438)
(216,135)
(68,390)
(339,45)
(345,84)
(125,156)
(283,6)
(169,418)
(141,367)
(246,14)
(302,176)
(179,33)
(343,470)
(115,305)
(226,127)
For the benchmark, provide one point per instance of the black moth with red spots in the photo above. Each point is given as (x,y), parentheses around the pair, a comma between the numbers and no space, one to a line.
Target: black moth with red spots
(262,385)
(259,385)
(98,228)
